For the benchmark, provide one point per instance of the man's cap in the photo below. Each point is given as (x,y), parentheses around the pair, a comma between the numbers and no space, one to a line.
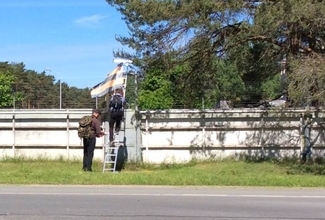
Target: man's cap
(97,111)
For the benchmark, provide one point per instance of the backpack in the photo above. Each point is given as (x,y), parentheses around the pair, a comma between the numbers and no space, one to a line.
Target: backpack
(116,103)
(84,129)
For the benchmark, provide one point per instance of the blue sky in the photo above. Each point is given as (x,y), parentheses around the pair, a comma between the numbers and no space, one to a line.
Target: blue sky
(73,38)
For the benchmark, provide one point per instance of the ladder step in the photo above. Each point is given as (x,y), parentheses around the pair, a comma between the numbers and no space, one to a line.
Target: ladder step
(117,140)
(109,150)
(110,154)
(111,169)
(121,136)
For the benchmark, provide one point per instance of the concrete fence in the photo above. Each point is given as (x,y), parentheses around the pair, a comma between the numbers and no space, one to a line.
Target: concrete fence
(50,134)
(164,136)
(181,135)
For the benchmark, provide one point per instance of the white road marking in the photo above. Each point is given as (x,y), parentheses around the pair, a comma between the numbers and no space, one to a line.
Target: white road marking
(163,194)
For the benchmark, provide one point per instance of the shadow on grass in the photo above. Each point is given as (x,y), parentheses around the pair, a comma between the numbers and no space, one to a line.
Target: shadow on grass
(293,164)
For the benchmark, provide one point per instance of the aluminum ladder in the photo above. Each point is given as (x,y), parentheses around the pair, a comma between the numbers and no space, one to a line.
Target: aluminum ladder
(111,149)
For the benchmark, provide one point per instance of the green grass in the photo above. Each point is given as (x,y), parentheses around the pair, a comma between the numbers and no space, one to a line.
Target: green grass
(210,173)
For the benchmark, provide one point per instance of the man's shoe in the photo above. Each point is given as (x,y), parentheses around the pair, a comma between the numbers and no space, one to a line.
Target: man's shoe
(117,129)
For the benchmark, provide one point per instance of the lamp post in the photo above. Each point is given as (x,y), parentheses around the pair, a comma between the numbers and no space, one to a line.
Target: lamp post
(60,83)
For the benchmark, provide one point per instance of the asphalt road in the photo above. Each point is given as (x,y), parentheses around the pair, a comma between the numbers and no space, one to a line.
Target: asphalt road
(158,203)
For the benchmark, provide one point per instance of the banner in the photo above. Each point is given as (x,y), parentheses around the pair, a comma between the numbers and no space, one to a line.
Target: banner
(114,80)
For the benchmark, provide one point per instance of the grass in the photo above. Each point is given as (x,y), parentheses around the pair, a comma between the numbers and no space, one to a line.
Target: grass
(285,173)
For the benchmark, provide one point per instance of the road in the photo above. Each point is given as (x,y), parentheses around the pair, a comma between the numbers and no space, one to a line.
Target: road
(159,203)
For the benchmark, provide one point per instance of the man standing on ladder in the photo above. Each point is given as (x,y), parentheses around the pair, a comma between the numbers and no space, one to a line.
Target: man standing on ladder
(116,107)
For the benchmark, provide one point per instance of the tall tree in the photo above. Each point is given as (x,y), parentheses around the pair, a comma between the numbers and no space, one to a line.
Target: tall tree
(200,31)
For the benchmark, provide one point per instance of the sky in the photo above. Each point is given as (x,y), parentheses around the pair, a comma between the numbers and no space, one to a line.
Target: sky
(75,39)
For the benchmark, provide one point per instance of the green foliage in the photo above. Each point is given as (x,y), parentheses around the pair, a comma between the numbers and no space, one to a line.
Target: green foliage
(307,81)
(270,87)
(256,66)
(253,38)
(5,89)
(131,91)
(7,95)
(230,85)
(155,93)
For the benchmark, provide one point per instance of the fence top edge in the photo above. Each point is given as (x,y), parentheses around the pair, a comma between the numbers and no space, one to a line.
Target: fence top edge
(234,110)
(168,111)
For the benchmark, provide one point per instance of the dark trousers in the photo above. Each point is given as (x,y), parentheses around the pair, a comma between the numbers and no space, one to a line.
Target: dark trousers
(115,118)
(89,148)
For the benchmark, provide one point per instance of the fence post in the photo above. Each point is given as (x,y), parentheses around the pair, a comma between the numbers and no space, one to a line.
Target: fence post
(68,134)
(14,135)
(261,140)
(137,128)
(306,121)
(203,132)
(147,130)
(105,143)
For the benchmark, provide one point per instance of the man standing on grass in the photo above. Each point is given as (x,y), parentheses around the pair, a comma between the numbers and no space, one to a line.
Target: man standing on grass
(90,143)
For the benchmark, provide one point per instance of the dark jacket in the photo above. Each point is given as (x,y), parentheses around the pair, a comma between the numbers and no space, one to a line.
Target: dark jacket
(95,124)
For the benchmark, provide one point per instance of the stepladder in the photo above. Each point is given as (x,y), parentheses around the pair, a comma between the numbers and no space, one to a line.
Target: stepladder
(111,150)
